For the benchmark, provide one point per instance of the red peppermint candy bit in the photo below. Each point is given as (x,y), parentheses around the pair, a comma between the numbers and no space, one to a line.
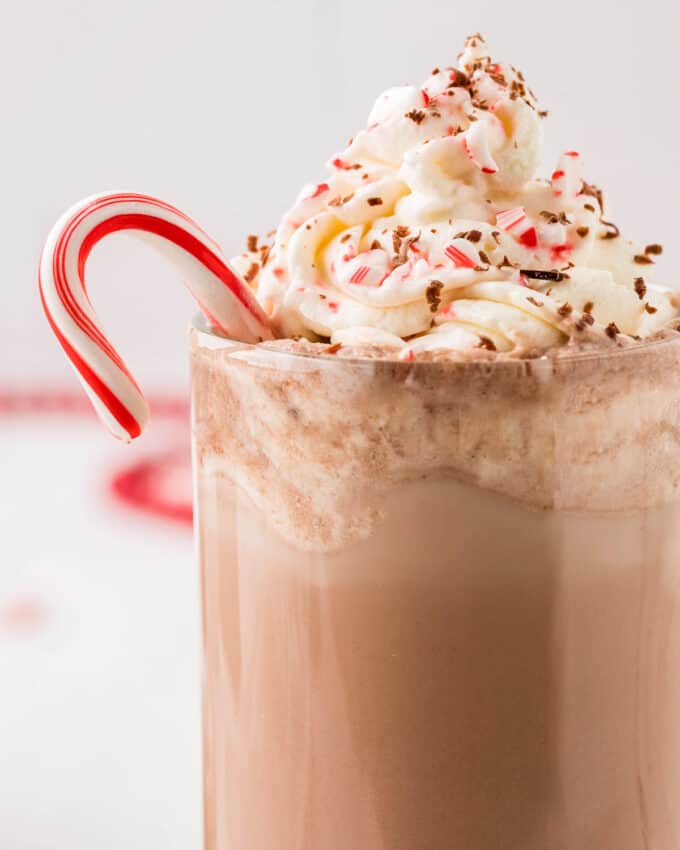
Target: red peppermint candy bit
(407,355)
(333,305)
(359,275)
(572,153)
(556,175)
(529,238)
(340,163)
(460,260)
(279,272)
(558,251)
(507,219)
(320,189)
(426,97)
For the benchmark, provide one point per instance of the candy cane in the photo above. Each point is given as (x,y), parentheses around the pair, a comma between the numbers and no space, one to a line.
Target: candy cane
(224,298)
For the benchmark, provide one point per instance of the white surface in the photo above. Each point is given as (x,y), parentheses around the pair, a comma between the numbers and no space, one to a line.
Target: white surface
(99,701)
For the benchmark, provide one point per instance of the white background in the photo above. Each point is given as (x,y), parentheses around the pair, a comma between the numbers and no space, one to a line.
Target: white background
(224,109)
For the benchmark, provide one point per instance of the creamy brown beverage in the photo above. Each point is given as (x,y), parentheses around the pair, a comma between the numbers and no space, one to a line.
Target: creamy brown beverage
(440,600)
(439,519)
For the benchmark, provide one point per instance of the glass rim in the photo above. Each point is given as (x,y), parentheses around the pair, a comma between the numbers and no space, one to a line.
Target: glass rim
(214,340)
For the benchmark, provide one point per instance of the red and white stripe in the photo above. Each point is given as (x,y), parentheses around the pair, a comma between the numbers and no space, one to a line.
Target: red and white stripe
(462,254)
(517,222)
(475,142)
(224,298)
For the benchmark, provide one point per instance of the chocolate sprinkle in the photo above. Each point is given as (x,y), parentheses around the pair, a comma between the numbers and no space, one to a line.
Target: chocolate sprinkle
(539,274)
(433,294)
(485,342)
(250,275)
(416,115)
(612,230)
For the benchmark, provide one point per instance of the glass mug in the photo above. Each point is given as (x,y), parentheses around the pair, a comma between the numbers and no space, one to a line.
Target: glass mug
(440,600)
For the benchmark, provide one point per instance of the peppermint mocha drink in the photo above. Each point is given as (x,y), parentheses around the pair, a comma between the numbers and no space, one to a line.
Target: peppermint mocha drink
(441,601)
(439,518)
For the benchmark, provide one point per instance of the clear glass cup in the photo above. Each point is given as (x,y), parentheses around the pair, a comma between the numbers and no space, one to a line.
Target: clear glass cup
(440,601)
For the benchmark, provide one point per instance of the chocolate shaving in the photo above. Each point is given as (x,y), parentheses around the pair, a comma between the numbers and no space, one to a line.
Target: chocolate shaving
(251,243)
(588,307)
(474,235)
(640,287)
(555,218)
(654,249)
(264,254)
(376,245)
(534,301)
(374,202)
(612,230)
(642,260)
(346,237)
(251,274)
(649,309)
(333,349)
(416,115)
(589,207)
(539,274)
(612,330)
(484,257)
(433,294)
(594,192)
(583,231)
(565,310)
(543,113)
(485,342)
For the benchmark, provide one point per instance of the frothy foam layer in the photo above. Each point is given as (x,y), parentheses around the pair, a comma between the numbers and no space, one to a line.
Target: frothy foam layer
(432,230)
(317,442)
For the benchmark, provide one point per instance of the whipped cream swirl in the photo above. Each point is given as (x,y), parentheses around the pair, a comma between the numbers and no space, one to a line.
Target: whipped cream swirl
(432,232)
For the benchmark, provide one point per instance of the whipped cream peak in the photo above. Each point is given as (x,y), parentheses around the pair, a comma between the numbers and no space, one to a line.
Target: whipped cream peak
(432,231)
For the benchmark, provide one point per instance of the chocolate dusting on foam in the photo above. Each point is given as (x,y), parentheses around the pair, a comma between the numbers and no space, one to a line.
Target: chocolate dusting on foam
(640,287)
